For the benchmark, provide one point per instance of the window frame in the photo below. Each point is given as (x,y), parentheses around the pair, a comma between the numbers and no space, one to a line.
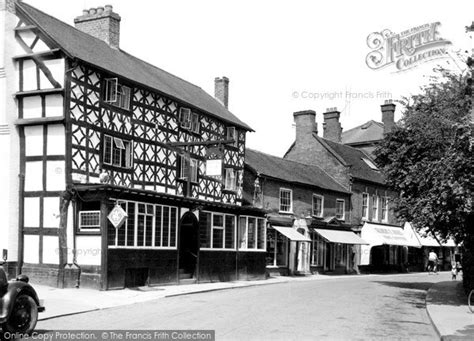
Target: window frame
(125,161)
(322,205)
(223,228)
(384,208)
(185,118)
(290,191)
(134,229)
(264,233)
(119,96)
(90,228)
(375,208)
(367,196)
(232,134)
(343,209)
(192,166)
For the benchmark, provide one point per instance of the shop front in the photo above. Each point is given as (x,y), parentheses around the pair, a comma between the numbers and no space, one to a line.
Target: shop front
(387,249)
(288,247)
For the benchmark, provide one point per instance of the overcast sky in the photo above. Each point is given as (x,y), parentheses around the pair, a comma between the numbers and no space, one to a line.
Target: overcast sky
(278,54)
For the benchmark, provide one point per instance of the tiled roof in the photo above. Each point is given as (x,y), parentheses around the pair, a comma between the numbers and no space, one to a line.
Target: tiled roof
(369,131)
(291,171)
(94,51)
(354,157)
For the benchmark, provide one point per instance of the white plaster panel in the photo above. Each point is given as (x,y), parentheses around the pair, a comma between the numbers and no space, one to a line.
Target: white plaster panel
(31,249)
(51,212)
(50,250)
(27,36)
(56,67)
(34,176)
(88,250)
(40,47)
(31,107)
(55,176)
(29,75)
(34,140)
(32,212)
(56,140)
(54,105)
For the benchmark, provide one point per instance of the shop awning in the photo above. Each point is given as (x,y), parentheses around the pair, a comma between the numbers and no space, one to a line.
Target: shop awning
(378,234)
(291,234)
(428,240)
(340,237)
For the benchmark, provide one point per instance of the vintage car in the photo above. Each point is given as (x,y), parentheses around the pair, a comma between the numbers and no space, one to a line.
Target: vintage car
(19,304)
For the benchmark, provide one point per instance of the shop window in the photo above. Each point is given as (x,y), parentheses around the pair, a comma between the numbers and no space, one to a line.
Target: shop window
(318,249)
(277,248)
(117,152)
(340,209)
(318,202)
(217,231)
(146,226)
(252,233)
(286,200)
(117,94)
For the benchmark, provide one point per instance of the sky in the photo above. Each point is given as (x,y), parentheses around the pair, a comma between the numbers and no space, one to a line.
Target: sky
(283,56)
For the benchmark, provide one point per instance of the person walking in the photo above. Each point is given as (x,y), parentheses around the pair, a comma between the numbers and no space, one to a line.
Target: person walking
(432,262)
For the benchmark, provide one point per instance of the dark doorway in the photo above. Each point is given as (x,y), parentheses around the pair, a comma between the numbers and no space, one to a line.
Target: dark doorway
(188,246)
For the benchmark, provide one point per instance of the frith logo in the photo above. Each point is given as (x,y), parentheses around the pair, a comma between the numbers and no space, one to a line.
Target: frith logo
(407,49)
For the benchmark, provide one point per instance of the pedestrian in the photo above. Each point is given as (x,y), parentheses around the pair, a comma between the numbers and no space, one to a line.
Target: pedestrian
(454,272)
(432,262)
(458,267)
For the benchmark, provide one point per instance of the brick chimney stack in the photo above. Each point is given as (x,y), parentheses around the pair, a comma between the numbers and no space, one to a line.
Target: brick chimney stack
(102,23)
(332,129)
(388,116)
(221,90)
(305,126)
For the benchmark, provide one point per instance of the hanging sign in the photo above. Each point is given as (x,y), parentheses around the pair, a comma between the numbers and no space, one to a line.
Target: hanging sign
(117,216)
(214,156)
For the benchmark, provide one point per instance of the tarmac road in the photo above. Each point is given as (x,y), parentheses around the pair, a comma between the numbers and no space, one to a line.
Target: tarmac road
(358,307)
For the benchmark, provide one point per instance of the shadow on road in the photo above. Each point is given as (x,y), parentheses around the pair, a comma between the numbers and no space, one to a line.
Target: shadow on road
(407,285)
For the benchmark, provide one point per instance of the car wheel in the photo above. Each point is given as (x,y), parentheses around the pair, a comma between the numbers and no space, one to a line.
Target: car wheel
(23,317)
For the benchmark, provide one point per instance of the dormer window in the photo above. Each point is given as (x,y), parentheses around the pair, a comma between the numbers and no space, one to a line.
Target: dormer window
(232,135)
(117,94)
(189,120)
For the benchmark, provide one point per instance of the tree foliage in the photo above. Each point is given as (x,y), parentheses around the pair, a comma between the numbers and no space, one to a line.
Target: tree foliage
(428,158)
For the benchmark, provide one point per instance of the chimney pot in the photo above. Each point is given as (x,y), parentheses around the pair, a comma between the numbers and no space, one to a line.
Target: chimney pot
(221,90)
(108,8)
(92,11)
(85,12)
(100,10)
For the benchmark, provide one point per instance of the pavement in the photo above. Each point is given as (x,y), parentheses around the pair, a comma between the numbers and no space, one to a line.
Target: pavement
(446,303)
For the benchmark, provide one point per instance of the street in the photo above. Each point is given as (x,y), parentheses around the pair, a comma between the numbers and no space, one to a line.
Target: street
(355,307)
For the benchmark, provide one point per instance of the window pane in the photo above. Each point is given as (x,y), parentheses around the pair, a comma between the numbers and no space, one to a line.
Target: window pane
(261,234)
(285,200)
(148,230)
(229,232)
(166,224)
(173,226)
(205,223)
(158,226)
(131,225)
(123,228)
(140,230)
(218,220)
(107,149)
(282,251)
(243,233)
(251,233)
(271,245)
(217,238)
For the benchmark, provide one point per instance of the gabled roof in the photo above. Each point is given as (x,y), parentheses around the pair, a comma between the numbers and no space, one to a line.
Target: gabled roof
(370,131)
(291,171)
(80,45)
(353,157)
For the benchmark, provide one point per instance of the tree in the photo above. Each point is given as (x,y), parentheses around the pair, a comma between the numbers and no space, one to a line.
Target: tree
(428,159)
